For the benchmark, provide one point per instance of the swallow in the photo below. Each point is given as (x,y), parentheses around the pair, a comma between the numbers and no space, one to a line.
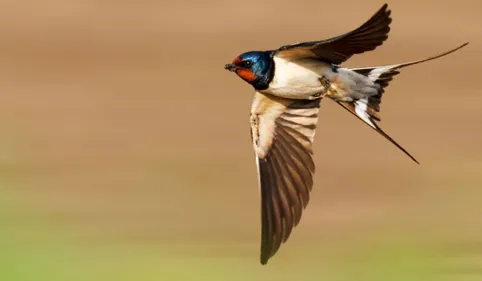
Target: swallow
(289,84)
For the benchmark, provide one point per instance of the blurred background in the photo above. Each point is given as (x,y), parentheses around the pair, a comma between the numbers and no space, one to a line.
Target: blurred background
(125,151)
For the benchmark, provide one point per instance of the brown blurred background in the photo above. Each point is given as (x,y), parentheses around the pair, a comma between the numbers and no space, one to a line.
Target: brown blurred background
(125,151)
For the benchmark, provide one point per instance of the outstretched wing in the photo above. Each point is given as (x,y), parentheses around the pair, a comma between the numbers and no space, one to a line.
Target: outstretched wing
(336,50)
(282,132)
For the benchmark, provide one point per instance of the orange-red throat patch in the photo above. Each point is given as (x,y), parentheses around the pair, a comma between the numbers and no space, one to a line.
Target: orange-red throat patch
(246,74)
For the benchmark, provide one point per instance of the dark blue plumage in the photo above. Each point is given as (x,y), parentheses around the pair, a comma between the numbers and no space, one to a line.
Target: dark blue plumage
(261,64)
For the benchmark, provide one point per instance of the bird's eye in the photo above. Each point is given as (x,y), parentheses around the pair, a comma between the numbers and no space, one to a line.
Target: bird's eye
(247,63)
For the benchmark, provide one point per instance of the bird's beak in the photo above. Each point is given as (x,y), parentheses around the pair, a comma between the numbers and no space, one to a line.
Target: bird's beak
(230,67)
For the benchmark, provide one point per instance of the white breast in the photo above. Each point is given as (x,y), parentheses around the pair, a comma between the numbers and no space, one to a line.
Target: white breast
(298,79)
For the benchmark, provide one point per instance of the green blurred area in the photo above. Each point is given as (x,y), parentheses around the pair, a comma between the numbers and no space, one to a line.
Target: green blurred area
(37,246)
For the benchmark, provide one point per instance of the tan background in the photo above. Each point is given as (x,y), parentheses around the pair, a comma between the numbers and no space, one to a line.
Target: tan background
(125,151)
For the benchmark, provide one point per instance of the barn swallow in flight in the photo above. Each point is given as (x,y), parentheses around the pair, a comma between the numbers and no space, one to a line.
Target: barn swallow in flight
(289,84)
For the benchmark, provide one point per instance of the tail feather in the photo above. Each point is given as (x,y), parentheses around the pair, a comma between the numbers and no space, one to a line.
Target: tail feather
(367,108)
(382,75)
(352,108)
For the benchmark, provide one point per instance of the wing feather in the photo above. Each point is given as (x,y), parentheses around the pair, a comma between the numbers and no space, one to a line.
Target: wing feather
(283,131)
(338,49)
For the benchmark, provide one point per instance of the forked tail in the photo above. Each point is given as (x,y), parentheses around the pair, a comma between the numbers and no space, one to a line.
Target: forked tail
(367,108)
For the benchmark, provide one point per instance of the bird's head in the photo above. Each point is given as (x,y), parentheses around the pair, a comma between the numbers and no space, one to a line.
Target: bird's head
(256,68)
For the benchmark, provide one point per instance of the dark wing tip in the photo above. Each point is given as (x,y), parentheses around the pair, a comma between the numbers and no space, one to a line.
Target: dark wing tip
(381,17)
(263,260)
(385,9)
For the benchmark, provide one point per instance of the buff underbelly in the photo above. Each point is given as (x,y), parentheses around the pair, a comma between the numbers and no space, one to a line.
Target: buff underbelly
(305,80)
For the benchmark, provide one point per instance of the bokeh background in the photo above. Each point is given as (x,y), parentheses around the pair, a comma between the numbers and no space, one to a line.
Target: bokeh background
(125,151)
